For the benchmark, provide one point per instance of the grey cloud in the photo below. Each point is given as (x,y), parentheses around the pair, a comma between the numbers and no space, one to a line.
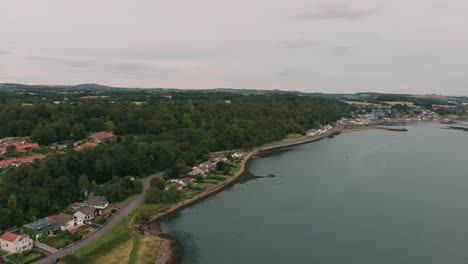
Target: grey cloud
(4,52)
(336,11)
(65,61)
(129,69)
(299,44)
(125,68)
(153,53)
(342,49)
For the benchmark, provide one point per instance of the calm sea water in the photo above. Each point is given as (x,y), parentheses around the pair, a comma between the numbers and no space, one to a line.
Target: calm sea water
(362,197)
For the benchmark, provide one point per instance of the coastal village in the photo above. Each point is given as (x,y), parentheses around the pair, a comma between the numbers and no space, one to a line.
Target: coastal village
(50,234)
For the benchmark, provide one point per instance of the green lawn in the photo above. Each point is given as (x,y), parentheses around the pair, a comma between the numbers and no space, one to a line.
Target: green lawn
(3,253)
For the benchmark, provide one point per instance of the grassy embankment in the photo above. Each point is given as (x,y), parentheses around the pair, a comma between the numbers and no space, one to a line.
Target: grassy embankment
(117,245)
(123,245)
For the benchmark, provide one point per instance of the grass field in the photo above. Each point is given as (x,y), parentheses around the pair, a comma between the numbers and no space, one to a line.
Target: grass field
(118,235)
(293,136)
(135,249)
(118,255)
(149,250)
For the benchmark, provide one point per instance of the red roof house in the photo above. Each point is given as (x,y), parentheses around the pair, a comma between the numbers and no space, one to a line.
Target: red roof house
(103,135)
(27,146)
(30,159)
(91,144)
(5,163)
(15,243)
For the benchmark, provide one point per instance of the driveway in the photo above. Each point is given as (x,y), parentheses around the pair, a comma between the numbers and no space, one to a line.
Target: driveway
(124,211)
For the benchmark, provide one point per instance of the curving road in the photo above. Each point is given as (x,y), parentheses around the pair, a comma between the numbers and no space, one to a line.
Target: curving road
(125,209)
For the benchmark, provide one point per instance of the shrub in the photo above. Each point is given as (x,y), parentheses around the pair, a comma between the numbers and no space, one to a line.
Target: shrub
(100,220)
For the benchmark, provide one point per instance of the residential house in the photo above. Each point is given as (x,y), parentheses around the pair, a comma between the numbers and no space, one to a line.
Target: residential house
(15,243)
(26,147)
(215,160)
(91,144)
(30,159)
(98,202)
(129,178)
(66,221)
(19,161)
(175,185)
(103,136)
(187,180)
(75,206)
(3,150)
(238,154)
(87,214)
(196,172)
(204,167)
(42,227)
(179,184)
(6,163)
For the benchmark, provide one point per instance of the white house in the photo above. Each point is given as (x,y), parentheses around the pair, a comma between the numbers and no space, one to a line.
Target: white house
(98,202)
(67,221)
(87,214)
(15,243)
(238,154)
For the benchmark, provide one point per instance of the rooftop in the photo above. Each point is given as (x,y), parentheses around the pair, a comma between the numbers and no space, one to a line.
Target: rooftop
(11,237)
(95,200)
(87,210)
(41,223)
(62,219)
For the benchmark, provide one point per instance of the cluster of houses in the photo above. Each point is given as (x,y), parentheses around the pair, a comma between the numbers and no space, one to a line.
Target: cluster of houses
(321,131)
(23,147)
(96,138)
(201,170)
(84,213)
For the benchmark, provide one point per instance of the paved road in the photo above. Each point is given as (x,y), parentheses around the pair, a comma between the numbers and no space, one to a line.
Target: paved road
(124,211)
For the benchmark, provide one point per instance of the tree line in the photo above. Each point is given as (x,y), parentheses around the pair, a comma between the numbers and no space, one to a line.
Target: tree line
(154,136)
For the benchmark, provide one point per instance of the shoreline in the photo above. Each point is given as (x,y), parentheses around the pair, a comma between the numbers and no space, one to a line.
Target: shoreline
(171,245)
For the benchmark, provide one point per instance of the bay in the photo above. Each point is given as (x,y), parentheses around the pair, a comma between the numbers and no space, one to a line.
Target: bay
(362,197)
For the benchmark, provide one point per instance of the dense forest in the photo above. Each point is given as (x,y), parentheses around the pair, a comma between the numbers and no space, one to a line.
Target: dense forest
(157,135)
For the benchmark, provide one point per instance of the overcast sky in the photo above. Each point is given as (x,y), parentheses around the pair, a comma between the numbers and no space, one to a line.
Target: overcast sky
(401,46)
